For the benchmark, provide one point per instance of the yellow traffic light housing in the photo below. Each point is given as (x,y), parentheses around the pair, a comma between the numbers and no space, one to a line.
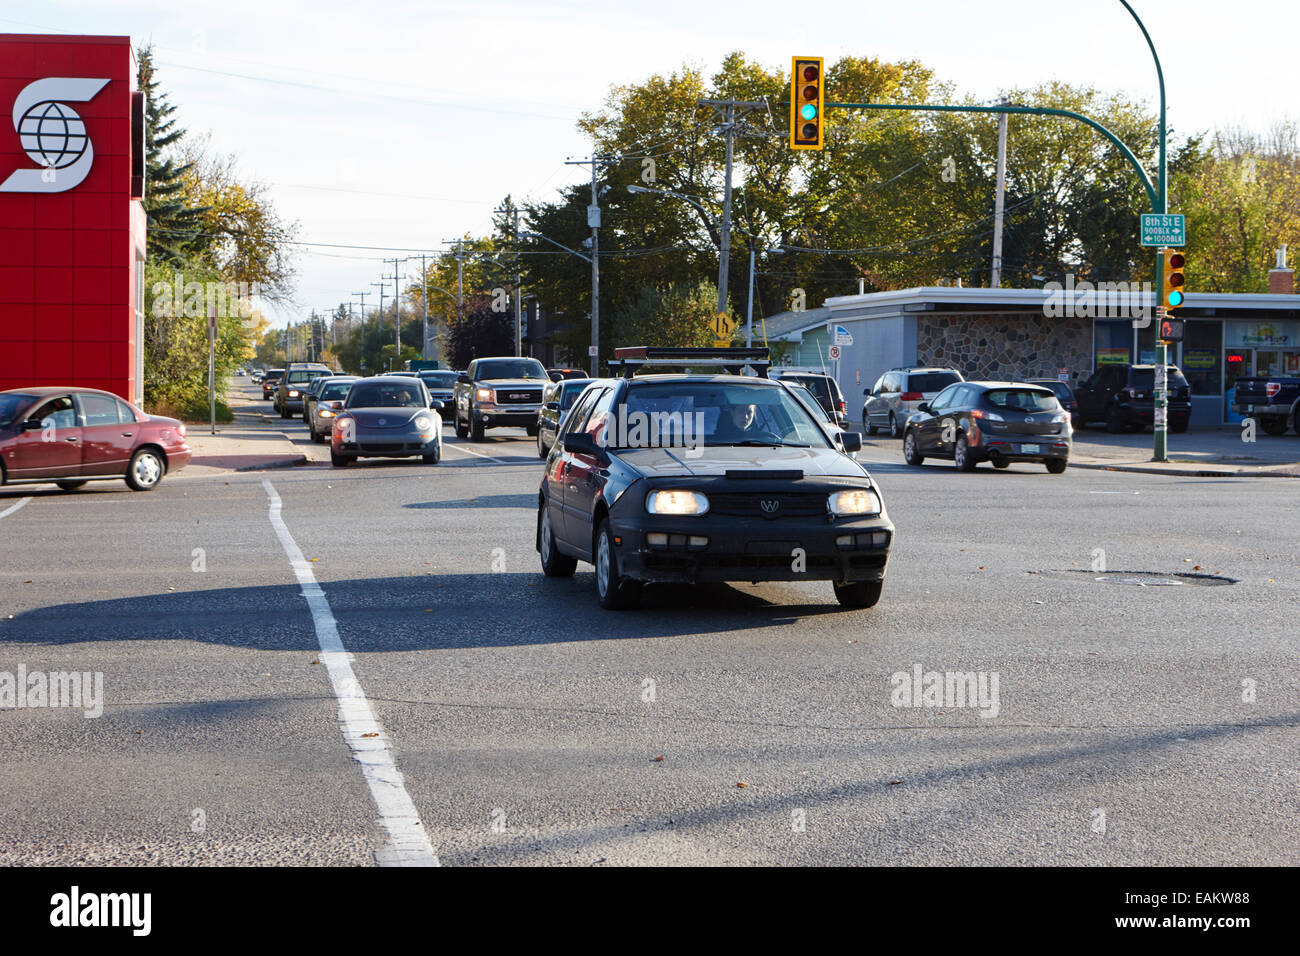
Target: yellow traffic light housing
(1173,292)
(807,103)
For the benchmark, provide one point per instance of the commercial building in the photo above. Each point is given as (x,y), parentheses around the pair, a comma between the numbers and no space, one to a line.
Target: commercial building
(72,227)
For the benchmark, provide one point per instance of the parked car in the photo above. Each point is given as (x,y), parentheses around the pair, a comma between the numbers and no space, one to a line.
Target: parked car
(848,442)
(1122,397)
(441,384)
(1000,422)
(293,384)
(496,392)
(559,374)
(763,494)
(70,436)
(1064,394)
(825,388)
(1273,402)
(325,402)
(897,393)
(270,381)
(556,402)
(387,416)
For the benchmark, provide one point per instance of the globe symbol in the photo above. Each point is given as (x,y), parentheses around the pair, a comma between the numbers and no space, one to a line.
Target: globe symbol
(52,135)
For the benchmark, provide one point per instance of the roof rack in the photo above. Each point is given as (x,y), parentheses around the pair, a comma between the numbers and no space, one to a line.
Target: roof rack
(629,359)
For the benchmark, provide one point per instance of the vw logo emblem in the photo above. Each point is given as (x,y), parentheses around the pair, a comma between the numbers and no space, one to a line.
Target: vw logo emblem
(770,505)
(1029,419)
(383,421)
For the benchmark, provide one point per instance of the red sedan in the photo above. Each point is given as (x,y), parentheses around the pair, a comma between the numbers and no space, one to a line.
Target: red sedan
(74,435)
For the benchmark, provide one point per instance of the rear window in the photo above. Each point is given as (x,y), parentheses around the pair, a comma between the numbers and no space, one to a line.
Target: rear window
(931,381)
(439,379)
(1023,399)
(10,406)
(1145,378)
(298,376)
(819,385)
(334,391)
(275,373)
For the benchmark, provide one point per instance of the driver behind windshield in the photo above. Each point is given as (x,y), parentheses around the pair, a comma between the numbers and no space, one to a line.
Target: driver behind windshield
(736,424)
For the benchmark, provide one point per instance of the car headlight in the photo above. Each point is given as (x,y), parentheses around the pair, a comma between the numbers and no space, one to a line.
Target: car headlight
(676,503)
(292,393)
(483,395)
(858,501)
(423,423)
(324,413)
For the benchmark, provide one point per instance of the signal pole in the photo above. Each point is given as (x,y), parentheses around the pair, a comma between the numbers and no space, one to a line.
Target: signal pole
(593,220)
(730,113)
(995,280)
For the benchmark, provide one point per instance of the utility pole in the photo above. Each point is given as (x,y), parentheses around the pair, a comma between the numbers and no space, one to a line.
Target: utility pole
(730,113)
(593,220)
(380,329)
(995,280)
(363,328)
(460,277)
(424,299)
(519,295)
(397,313)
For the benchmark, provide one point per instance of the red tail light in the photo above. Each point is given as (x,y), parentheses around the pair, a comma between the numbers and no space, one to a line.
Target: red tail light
(912,397)
(842,406)
(1272,388)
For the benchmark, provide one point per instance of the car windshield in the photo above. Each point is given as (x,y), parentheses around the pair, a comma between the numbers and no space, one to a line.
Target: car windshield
(1144,379)
(931,381)
(385,395)
(1023,399)
(334,391)
(10,406)
(685,413)
(511,368)
(439,379)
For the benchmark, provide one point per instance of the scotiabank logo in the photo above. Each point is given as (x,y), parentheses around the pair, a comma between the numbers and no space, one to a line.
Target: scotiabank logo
(52,135)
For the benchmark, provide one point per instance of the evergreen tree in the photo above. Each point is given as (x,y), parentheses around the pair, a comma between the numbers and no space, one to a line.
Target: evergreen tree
(173,225)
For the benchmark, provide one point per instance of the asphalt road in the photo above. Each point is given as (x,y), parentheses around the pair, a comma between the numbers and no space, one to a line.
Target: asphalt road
(527,723)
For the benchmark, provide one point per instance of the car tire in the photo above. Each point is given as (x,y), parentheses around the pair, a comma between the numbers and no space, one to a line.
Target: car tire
(613,592)
(339,461)
(532,430)
(961,456)
(910,454)
(859,593)
(1056,465)
(462,431)
(1001,463)
(475,430)
(1270,424)
(541,448)
(145,470)
(433,457)
(1115,423)
(69,485)
(1182,427)
(893,426)
(867,427)
(554,564)
(284,412)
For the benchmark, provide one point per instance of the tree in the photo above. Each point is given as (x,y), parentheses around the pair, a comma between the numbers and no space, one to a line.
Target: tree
(171,219)
(482,332)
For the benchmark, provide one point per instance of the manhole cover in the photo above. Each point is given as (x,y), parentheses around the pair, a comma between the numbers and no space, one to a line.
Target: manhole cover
(1142,579)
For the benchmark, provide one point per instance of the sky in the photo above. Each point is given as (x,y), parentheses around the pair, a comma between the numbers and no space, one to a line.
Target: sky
(401,125)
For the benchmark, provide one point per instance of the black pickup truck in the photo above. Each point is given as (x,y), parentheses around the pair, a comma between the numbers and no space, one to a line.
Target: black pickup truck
(1273,402)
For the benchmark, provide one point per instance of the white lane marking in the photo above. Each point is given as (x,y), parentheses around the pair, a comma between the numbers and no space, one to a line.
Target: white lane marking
(469,452)
(10,510)
(1114,492)
(371,746)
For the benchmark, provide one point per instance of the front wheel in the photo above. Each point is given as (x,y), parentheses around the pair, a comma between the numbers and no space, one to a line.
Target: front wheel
(145,470)
(554,564)
(339,461)
(433,457)
(541,448)
(69,485)
(1056,465)
(1115,423)
(961,456)
(532,430)
(859,593)
(910,453)
(615,592)
(475,430)
(462,431)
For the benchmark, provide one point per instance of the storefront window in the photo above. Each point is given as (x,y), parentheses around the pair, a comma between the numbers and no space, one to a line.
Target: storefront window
(1202,351)
(1114,343)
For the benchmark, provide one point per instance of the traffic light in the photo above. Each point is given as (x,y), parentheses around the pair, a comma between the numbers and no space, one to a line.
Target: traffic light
(806,103)
(1173,292)
(1171,329)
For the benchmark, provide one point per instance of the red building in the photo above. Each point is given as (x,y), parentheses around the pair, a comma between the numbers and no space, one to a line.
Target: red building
(72,228)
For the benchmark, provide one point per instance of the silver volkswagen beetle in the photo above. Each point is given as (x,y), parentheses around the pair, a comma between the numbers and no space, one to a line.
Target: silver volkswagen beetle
(387,417)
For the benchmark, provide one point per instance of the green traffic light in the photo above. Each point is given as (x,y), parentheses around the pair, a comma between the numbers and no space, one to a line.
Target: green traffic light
(808,111)
(1175,298)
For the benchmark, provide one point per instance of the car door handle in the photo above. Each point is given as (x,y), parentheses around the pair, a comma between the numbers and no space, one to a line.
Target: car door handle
(70,439)
(127,434)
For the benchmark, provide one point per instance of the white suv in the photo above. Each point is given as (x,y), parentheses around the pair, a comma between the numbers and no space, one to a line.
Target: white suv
(897,393)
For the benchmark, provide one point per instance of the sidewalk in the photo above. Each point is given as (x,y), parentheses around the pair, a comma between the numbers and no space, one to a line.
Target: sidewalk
(246,444)
(1206,451)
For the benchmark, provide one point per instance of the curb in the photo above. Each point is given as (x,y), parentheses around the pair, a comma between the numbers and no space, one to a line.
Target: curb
(282,463)
(1187,472)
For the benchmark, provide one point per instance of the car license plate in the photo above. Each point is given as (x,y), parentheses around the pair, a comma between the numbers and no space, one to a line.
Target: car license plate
(1029,449)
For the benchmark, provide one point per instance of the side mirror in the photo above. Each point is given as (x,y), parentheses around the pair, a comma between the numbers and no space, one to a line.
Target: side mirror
(851,441)
(580,443)
(923,407)
(463,378)
(32,425)
(552,406)
(866,391)
(436,404)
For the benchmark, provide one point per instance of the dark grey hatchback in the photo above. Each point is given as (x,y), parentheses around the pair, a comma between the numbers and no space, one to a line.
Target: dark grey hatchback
(1000,422)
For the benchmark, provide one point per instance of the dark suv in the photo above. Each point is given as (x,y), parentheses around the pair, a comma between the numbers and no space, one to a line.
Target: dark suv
(1121,396)
(823,386)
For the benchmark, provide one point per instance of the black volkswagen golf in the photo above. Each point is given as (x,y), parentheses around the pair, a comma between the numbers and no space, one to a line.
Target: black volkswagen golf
(697,477)
(1000,422)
